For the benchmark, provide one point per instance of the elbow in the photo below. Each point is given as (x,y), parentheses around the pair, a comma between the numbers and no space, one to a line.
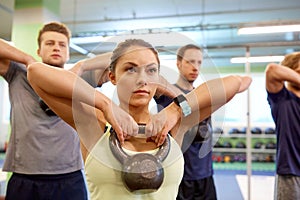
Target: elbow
(31,72)
(271,67)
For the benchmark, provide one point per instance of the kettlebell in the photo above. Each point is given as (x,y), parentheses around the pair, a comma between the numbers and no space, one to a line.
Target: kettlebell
(270,130)
(142,172)
(270,145)
(256,130)
(240,145)
(233,131)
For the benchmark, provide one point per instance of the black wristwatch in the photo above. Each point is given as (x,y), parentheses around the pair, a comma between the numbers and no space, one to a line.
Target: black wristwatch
(181,101)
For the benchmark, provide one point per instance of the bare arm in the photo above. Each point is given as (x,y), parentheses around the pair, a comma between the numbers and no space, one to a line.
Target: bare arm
(277,74)
(71,93)
(166,88)
(204,100)
(8,53)
(99,63)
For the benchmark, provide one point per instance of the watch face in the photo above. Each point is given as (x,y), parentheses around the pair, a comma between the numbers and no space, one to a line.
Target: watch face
(181,101)
(186,109)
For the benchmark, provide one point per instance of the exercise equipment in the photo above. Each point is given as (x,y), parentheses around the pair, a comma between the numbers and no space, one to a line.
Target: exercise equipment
(243,130)
(240,145)
(256,130)
(269,158)
(233,131)
(218,145)
(227,144)
(142,172)
(269,130)
(227,159)
(270,145)
(258,145)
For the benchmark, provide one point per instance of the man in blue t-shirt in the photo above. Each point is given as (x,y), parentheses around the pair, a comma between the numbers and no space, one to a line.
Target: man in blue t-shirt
(198,182)
(283,88)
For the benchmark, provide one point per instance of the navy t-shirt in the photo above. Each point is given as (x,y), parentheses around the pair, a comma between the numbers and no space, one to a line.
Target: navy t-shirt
(285,109)
(198,155)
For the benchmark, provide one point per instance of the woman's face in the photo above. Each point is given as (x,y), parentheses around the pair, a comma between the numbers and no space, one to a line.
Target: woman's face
(136,75)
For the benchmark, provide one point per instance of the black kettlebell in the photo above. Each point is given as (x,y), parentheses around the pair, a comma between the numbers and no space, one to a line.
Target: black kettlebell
(258,145)
(227,144)
(270,145)
(45,108)
(256,130)
(270,131)
(243,130)
(142,172)
(233,131)
(240,145)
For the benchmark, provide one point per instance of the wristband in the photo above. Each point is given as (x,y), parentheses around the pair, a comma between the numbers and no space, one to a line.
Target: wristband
(181,101)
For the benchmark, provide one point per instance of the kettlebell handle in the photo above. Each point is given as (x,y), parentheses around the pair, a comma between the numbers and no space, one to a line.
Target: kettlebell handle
(122,156)
(141,131)
(142,128)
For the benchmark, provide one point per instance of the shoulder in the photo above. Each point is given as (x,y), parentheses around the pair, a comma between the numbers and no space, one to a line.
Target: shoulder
(13,70)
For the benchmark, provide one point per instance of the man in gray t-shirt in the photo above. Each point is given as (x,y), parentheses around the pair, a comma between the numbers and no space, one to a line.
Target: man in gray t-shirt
(43,152)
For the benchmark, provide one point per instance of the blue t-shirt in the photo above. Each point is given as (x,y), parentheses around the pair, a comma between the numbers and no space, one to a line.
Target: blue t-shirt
(197,155)
(285,108)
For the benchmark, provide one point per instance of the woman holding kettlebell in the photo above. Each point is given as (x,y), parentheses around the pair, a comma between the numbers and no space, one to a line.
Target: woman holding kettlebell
(134,69)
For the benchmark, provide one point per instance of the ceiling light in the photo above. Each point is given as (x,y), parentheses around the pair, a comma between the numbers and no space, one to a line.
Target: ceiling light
(85,40)
(269,29)
(257,59)
(78,48)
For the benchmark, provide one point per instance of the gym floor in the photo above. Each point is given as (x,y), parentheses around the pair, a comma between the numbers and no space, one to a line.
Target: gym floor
(230,178)
(232,181)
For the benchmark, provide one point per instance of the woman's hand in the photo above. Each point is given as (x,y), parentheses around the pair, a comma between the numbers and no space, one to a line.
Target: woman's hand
(161,123)
(123,124)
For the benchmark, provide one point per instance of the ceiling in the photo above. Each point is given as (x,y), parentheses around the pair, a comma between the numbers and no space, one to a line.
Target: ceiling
(167,24)
(210,23)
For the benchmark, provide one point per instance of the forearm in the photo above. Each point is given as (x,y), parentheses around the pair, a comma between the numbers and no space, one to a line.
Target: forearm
(61,83)
(215,92)
(167,89)
(100,63)
(9,52)
(276,75)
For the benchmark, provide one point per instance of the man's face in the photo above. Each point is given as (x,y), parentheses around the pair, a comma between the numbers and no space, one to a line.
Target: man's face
(54,49)
(190,64)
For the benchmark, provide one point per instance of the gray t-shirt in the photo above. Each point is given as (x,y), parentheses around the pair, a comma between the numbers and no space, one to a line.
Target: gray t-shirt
(39,144)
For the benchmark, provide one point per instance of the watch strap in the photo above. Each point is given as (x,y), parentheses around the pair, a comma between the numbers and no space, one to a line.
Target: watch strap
(181,101)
